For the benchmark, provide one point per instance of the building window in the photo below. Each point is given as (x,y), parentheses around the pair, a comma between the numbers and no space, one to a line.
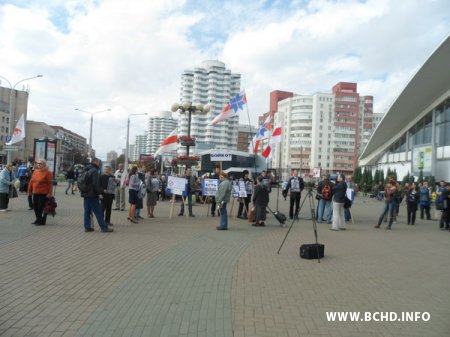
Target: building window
(443,123)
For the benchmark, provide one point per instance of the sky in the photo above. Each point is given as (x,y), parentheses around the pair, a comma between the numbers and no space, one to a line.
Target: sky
(128,55)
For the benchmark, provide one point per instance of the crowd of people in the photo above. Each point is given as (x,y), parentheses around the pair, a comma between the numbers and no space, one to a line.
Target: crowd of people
(139,187)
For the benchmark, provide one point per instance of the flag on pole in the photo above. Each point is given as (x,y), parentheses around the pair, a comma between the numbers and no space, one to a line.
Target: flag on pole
(169,144)
(18,132)
(254,144)
(275,139)
(276,135)
(264,129)
(237,104)
(267,152)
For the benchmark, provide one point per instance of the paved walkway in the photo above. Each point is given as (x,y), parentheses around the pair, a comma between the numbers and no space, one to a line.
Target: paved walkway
(181,277)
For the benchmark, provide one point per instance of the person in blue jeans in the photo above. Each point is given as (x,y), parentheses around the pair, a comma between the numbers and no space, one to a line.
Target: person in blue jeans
(425,200)
(390,203)
(191,186)
(223,196)
(325,192)
(91,199)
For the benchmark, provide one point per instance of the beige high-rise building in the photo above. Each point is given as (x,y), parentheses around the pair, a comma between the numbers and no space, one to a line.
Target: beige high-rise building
(20,106)
(323,131)
(212,84)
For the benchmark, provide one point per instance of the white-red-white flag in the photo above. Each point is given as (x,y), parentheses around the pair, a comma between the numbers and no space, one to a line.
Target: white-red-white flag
(253,146)
(169,144)
(267,152)
(18,132)
(276,135)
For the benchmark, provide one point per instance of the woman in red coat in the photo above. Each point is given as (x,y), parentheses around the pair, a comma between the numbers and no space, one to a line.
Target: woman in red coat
(41,187)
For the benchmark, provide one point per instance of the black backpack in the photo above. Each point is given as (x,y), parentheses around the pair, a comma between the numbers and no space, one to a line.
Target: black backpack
(84,180)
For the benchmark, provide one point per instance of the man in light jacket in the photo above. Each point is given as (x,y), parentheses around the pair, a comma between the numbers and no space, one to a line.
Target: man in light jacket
(121,175)
(7,178)
(223,196)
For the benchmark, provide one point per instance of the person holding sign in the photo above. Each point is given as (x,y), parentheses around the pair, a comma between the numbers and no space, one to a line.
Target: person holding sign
(245,200)
(222,198)
(190,188)
(215,175)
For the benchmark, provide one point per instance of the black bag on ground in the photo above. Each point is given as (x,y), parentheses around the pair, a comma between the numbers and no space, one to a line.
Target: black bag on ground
(281,217)
(309,251)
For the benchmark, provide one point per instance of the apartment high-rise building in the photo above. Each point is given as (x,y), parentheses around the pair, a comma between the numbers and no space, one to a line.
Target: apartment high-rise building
(159,127)
(366,122)
(275,97)
(140,146)
(245,136)
(20,106)
(132,153)
(324,130)
(111,155)
(212,84)
(346,128)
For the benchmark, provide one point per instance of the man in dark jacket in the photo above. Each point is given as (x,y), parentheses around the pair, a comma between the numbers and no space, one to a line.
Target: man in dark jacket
(296,186)
(215,175)
(260,200)
(446,208)
(91,199)
(108,186)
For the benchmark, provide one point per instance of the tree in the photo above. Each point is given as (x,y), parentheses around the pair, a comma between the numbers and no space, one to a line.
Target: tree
(406,179)
(369,180)
(420,180)
(432,183)
(376,176)
(394,173)
(79,157)
(381,176)
(357,176)
(120,159)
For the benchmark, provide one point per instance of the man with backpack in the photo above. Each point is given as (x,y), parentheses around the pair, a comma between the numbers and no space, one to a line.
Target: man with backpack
(296,186)
(325,192)
(89,186)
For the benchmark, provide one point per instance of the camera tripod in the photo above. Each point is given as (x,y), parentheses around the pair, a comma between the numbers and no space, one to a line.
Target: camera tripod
(310,197)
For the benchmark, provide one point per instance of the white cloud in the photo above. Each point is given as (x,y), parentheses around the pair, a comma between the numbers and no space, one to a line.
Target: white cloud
(129,56)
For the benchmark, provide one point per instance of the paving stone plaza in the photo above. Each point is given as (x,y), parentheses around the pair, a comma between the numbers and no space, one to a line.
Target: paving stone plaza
(182,277)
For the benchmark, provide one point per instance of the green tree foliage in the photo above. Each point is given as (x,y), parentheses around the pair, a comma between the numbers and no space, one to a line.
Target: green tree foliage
(406,179)
(431,182)
(380,176)
(120,159)
(357,176)
(376,176)
(420,180)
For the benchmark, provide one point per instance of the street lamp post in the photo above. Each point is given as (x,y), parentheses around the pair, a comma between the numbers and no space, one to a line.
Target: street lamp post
(128,137)
(188,107)
(90,129)
(11,117)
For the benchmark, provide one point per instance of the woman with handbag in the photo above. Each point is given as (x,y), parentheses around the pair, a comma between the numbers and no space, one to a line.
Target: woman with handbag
(40,187)
(7,178)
